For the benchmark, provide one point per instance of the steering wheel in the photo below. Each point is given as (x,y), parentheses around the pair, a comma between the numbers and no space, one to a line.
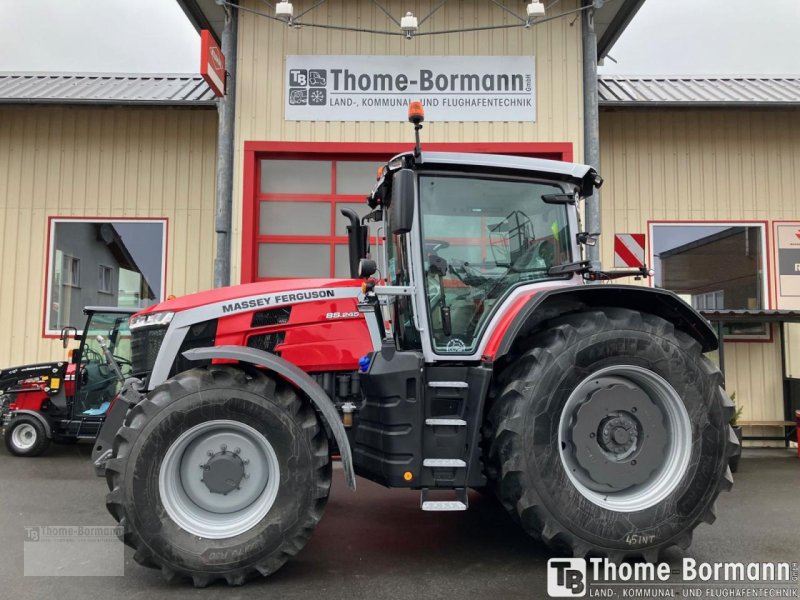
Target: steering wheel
(433,246)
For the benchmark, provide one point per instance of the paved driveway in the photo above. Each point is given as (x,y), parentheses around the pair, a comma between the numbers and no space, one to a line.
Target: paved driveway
(376,543)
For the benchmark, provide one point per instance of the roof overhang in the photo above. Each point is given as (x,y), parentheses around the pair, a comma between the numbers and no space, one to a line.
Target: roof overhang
(610,20)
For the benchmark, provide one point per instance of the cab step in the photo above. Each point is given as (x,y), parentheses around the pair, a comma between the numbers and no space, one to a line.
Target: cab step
(439,463)
(460,503)
(448,384)
(446,422)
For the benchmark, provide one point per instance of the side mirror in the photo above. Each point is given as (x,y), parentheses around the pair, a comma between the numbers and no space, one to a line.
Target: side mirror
(66,333)
(366,268)
(402,207)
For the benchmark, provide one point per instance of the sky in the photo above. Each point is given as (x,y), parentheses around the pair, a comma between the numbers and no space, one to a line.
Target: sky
(687,37)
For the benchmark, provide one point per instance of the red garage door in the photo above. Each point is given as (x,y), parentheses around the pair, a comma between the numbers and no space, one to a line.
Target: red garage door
(293,192)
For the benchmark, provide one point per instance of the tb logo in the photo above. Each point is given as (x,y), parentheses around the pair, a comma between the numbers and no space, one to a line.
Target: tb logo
(566,577)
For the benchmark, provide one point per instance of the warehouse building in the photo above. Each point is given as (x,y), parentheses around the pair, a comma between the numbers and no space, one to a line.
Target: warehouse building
(704,167)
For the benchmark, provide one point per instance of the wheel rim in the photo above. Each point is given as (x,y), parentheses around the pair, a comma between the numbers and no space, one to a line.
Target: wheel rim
(24,436)
(219,479)
(625,438)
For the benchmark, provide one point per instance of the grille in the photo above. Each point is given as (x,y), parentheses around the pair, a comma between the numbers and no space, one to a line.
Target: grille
(200,335)
(266,341)
(145,343)
(274,316)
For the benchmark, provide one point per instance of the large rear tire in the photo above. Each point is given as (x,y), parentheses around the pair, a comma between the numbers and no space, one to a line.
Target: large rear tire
(610,435)
(219,473)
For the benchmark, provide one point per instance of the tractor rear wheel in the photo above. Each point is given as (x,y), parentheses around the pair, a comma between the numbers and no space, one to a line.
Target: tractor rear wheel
(26,436)
(610,435)
(219,473)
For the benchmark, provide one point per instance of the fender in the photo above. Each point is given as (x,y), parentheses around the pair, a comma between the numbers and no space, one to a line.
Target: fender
(655,301)
(48,432)
(299,379)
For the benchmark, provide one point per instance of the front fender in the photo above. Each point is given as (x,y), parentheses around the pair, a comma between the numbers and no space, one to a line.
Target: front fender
(299,379)
(48,432)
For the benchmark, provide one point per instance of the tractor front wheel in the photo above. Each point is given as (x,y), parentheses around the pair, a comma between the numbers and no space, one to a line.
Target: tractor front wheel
(610,435)
(219,473)
(26,436)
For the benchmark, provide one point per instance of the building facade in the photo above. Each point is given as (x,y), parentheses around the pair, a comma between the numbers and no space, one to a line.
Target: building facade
(705,169)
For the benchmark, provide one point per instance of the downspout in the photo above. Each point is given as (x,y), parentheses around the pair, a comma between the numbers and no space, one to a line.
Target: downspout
(226,110)
(591,122)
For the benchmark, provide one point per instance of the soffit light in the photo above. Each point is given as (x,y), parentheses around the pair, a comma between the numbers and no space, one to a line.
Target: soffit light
(410,25)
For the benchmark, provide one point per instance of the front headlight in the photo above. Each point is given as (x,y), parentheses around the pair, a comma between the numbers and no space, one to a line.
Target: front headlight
(151,320)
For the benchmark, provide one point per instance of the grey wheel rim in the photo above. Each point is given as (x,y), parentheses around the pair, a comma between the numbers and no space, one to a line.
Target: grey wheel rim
(24,436)
(219,479)
(625,438)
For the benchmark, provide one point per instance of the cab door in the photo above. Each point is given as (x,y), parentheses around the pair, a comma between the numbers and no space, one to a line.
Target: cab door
(96,383)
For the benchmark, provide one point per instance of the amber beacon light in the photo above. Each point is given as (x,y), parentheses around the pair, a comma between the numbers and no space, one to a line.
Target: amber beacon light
(416,113)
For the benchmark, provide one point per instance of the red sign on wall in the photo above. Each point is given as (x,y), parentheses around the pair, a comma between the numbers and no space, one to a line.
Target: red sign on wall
(212,63)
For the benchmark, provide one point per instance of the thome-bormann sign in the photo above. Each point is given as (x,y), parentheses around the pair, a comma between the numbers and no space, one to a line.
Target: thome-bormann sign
(379,88)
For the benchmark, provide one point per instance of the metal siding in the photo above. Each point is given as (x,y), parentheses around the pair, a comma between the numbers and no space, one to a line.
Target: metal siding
(101,88)
(263,45)
(641,91)
(703,165)
(110,162)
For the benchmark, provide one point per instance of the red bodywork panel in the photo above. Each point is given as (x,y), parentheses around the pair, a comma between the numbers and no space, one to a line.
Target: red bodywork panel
(313,341)
(327,334)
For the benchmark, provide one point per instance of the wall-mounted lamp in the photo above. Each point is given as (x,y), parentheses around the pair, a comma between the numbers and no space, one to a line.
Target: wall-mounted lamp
(409,25)
(284,10)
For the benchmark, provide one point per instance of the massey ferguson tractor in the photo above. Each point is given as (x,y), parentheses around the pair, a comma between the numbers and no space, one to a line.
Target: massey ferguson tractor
(468,351)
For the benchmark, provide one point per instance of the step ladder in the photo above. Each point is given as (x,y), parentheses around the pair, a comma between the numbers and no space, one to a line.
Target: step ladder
(459,503)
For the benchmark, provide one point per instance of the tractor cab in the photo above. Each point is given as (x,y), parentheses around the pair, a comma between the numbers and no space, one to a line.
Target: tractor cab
(95,383)
(68,400)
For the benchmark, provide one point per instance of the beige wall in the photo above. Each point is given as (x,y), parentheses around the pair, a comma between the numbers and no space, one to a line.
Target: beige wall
(707,165)
(263,45)
(91,161)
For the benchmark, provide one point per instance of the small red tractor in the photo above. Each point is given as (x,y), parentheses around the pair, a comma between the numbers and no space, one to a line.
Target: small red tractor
(66,401)
(468,351)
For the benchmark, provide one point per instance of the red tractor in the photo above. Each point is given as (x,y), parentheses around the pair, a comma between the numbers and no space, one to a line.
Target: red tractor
(478,358)
(66,401)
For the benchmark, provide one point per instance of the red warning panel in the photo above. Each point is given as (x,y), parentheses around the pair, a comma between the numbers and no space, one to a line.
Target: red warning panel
(212,63)
(629,250)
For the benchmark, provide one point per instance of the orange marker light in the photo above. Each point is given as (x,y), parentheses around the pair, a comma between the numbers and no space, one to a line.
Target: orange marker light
(408,476)
(416,112)
(381,169)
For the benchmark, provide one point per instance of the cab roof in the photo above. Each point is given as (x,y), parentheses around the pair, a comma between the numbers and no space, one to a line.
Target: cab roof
(578,174)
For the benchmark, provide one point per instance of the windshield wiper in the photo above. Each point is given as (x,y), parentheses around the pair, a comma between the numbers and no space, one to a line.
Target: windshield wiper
(582,266)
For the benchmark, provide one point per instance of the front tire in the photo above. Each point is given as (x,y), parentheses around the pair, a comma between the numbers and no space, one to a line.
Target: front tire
(219,474)
(26,436)
(610,435)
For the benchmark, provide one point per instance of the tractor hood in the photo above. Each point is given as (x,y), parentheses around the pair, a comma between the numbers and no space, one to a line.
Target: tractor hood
(249,290)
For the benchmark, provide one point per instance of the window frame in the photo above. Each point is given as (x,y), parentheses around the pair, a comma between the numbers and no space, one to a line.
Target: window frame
(53,220)
(102,270)
(766,283)
(68,259)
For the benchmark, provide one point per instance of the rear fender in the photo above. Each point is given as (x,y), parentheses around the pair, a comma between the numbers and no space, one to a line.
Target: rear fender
(299,379)
(48,432)
(662,303)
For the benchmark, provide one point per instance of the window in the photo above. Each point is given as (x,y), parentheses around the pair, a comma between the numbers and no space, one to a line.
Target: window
(714,266)
(300,230)
(72,271)
(104,276)
(482,237)
(127,255)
